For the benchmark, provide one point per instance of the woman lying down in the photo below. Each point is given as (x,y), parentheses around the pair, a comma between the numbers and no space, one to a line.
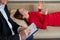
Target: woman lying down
(41,20)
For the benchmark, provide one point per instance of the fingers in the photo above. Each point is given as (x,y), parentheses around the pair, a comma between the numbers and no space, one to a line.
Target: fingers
(24,33)
(40,4)
(23,36)
(24,13)
(21,10)
(21,29)
(46,11)
(27,32)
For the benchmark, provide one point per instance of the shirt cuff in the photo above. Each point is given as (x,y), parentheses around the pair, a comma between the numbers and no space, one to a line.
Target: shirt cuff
(19,36)
(18,30)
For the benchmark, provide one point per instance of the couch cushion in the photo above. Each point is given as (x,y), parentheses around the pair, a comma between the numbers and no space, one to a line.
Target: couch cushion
(50,32)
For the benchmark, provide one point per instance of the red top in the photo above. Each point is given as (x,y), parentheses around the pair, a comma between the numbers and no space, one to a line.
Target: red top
(37,18)
(52,19)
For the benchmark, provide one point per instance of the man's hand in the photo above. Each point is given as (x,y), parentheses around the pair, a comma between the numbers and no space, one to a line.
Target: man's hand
(24,32)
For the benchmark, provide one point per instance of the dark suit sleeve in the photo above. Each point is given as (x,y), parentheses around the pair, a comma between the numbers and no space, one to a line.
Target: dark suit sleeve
(14,24)
(5,32)
(15,37)
(11,21)
(6,37)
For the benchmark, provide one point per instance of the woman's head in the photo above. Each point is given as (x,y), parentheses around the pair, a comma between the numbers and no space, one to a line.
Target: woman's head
(24,13)
(21,14)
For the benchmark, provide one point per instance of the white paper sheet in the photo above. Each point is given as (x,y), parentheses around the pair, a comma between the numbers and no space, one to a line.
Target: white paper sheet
(33,29)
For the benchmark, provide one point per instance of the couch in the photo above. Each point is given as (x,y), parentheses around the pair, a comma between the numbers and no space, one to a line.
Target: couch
(50,32)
